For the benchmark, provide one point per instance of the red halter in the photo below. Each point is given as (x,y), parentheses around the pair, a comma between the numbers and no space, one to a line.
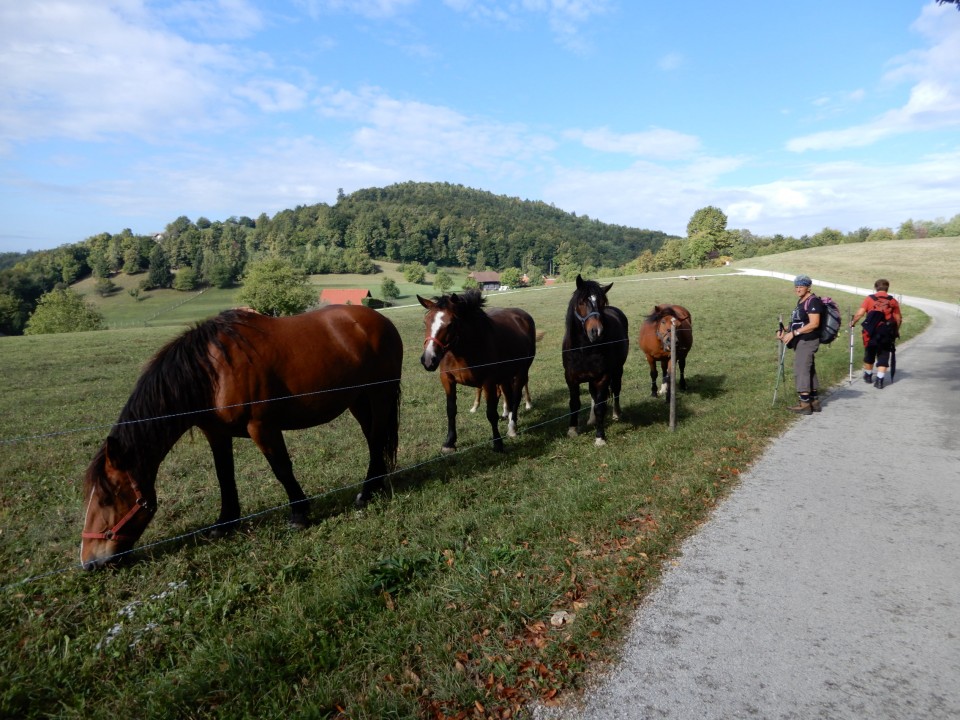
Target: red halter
(141,503)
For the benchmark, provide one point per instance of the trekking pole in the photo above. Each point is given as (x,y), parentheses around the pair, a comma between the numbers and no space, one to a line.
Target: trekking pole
(783,351)
(850,376)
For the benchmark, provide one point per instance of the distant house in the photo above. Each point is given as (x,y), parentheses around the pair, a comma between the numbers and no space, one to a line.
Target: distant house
(343,296)
(487,280)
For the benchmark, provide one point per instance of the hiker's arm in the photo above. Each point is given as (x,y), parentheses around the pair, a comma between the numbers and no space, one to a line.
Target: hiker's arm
(861,311)
(813,322)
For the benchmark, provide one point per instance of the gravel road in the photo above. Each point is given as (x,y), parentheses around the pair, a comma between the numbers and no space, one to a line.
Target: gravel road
(827,585)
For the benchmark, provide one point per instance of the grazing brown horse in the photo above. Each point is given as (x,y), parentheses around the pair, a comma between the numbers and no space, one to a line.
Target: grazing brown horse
(654,340)
(595,347)
(488,349)
(242,374)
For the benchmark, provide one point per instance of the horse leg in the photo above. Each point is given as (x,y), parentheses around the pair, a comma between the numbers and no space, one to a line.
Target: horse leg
(476,402)
(493,415)
(653,375)
(615,383)
(450,388)
(375,432)
(682,364)
(599,392)
(666,370)
(274,449)
(526,390)
(574,389)
(222,447)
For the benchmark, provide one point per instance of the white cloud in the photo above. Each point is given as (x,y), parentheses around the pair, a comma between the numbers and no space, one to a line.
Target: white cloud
(655,143)
(670,61)
(565,18)
(429,138)
(373,9)
(85,70)
(934,100)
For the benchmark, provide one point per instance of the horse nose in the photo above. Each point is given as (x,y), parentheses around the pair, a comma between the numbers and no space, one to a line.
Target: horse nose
(429,362)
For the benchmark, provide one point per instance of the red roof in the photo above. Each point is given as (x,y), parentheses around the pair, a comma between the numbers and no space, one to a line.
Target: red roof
(343,296)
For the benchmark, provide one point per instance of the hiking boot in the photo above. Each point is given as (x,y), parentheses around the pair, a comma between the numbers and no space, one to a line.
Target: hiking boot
(878,383)
(802,408)
(868,378)
(816,405)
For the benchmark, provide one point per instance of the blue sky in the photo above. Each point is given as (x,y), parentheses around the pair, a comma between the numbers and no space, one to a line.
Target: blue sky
(790,117)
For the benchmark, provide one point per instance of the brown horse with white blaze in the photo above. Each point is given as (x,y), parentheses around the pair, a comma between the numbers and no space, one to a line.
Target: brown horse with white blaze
(244,375)
(488,349)
(654,340)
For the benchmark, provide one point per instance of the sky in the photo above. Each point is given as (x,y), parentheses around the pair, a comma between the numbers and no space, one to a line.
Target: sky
(789,117)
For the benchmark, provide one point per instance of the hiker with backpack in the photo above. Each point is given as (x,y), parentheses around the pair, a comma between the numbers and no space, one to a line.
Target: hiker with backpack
(803,336)
(880,330)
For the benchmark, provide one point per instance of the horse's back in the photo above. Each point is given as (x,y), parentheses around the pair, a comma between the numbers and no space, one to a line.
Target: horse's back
(303,358)
(516,331)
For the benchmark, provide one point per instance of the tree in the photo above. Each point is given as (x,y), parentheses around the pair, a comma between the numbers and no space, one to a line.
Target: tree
(186,279)
(414,272)
(159,274)
(63,310)
(442,281)
(275,287)
(389,289)
(511,277)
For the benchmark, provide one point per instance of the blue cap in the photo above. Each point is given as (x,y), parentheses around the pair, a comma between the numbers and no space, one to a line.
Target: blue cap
(802,280)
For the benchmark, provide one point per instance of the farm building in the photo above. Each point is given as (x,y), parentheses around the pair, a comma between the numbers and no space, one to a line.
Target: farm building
(343,296)
(487,280)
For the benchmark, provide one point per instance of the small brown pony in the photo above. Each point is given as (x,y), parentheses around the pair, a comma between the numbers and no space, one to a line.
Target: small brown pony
(242,374)
(595,347)
(654,340)
(488,349)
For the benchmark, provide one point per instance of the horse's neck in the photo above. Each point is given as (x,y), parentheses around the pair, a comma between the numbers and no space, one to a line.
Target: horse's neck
(152,438)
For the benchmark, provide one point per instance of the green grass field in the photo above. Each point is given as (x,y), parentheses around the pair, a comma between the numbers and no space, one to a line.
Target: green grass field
(434,601)
(173,307)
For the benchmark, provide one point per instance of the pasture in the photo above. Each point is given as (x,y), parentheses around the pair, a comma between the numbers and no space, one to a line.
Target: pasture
(481,581)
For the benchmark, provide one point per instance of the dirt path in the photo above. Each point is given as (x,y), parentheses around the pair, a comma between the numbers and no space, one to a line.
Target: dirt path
(821,588)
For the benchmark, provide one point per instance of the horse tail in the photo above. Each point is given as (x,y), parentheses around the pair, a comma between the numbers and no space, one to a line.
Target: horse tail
(392,432)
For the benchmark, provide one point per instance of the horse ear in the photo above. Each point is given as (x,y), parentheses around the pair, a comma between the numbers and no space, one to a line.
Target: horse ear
(607,288)
(428,304)
(116,454)
(579,282)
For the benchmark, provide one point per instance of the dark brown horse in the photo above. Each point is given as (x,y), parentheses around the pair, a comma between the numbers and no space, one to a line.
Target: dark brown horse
(488,349)
(595,347)
(654,340)
(242,374)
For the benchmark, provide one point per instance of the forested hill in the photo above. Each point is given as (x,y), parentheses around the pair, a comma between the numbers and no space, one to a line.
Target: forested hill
(456,225)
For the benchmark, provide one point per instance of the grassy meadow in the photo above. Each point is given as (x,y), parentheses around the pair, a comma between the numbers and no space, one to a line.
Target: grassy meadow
(481,582)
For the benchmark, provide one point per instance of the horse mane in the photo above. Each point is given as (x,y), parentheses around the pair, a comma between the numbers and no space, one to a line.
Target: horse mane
(467,306)
(179,382)
(659,311)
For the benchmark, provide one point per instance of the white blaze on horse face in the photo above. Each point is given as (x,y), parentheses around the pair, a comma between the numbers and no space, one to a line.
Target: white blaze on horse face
(430,350)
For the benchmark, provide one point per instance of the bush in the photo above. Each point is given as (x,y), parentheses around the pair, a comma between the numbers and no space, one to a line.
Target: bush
(61,311)
(186,279)
(389,289)
(275,287)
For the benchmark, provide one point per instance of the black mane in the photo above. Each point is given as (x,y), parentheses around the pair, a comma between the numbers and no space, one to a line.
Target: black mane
(177,384)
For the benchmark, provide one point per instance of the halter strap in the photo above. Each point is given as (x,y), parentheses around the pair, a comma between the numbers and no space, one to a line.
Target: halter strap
(141,503)
(442,346)
(583,318)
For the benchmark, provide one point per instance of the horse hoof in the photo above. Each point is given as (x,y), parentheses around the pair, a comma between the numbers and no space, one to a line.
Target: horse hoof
(299,523)
(447,450)
(599,442)
(222,529)
(360,501)
(572,432)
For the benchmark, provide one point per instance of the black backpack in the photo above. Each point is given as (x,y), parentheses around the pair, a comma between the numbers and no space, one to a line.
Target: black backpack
(830,322)
(879,324)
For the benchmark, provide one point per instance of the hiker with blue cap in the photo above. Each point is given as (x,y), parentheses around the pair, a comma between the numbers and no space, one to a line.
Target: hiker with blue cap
(804,337)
